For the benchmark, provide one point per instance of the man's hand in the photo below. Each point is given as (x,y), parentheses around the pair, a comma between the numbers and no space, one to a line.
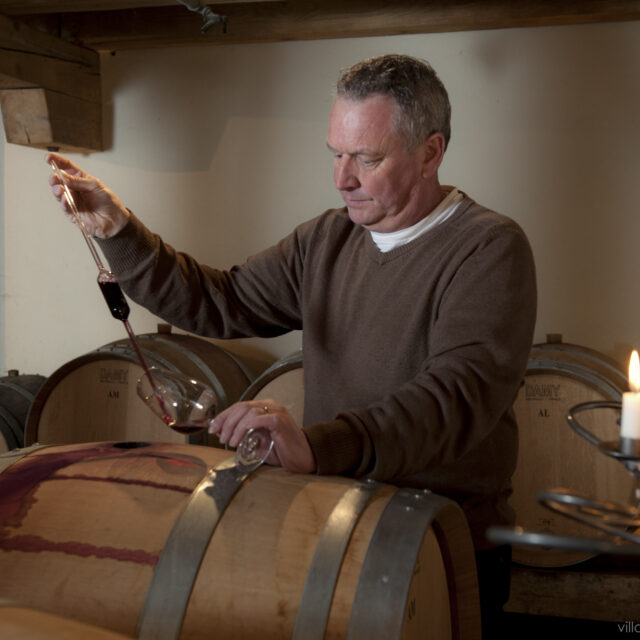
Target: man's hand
(291,448)
(101,211)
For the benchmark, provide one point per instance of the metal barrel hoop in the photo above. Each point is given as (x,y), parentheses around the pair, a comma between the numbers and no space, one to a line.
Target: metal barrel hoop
(322,577)
(172,582)
(385,578)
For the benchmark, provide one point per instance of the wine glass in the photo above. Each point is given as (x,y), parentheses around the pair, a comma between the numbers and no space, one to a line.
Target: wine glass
(187,405)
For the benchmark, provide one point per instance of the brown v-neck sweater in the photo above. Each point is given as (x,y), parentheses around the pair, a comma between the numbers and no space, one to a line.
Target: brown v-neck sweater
(412,358)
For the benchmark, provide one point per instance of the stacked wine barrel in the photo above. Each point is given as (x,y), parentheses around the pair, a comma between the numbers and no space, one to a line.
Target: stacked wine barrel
(283,382)
(93,397)
(17,394)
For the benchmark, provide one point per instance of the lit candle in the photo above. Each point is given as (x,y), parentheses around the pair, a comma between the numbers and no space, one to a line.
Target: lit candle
(631,401)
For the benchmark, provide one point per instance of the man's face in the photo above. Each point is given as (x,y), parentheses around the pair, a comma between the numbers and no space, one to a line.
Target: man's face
(381,182)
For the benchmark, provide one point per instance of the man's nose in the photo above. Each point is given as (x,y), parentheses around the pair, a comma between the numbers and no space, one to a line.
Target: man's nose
(344,174)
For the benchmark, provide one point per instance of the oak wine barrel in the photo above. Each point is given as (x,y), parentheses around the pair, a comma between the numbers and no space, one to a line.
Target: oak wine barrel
(17,393)
(109,533)
(18,622)
(93,397)
(282,382)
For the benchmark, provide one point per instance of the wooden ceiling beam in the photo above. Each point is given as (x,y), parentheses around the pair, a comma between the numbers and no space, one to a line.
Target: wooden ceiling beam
(29,7)
(317,19)
(49,90)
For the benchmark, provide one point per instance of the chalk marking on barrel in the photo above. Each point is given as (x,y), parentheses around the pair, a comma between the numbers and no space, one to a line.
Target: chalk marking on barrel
(411,609)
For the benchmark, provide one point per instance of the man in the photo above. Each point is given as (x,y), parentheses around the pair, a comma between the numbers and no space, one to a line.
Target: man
(417,307)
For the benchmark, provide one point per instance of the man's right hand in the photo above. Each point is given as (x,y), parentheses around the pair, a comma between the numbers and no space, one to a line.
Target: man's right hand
(101,211)
(291,448)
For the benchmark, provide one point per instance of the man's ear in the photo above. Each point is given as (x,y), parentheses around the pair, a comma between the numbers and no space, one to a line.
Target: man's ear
(433,149)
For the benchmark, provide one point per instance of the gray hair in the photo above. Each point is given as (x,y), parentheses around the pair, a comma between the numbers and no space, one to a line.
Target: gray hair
(422,100)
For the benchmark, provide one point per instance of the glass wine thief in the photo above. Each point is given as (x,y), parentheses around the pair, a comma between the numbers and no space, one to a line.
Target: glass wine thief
(182,403)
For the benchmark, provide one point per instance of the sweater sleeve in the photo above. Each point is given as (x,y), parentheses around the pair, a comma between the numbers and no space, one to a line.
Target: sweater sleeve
(445,417)
(258,298)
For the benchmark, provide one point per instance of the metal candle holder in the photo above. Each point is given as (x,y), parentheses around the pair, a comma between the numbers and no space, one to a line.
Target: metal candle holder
(625,450)
(609,517)
(612,518)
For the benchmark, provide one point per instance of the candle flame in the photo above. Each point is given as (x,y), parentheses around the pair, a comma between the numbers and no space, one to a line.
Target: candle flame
(634,372)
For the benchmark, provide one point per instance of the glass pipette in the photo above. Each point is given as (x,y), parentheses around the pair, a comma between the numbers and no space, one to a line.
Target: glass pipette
(256,444)
(72,205)
(107,281)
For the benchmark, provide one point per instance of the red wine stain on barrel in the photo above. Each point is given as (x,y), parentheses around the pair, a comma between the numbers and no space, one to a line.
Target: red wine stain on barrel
(139,483)
(36,544)
(19,483)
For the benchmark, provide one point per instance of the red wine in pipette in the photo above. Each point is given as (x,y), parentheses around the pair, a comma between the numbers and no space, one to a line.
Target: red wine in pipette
(115,299)
(119,309)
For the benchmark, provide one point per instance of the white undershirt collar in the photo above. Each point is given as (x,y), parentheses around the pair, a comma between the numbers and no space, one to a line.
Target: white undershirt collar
(388,241)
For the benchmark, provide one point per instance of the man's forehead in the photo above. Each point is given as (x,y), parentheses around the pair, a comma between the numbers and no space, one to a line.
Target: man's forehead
(361,125)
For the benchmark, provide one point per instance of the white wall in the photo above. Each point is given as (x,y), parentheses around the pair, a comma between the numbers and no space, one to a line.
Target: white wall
(221,150)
